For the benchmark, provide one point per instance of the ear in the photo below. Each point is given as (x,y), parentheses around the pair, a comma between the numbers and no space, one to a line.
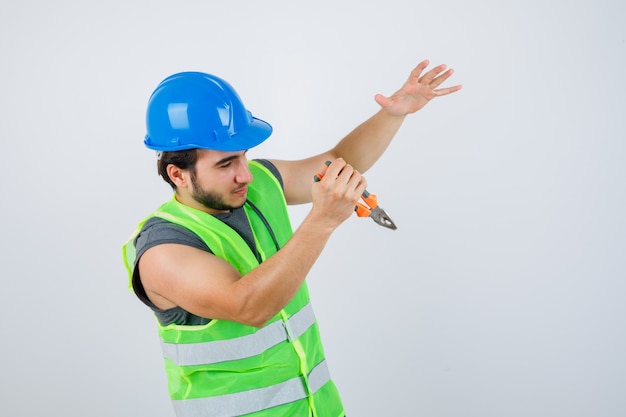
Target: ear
(177,175)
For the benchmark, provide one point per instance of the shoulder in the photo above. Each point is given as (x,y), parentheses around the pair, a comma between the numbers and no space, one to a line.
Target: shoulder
(271,168)
(157,231)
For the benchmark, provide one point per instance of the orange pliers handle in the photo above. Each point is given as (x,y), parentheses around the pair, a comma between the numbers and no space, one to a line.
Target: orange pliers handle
(372,202)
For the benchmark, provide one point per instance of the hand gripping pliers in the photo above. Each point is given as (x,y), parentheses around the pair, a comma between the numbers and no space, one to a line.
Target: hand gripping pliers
(370,208)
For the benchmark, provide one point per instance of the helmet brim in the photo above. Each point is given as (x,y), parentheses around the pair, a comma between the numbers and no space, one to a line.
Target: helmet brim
(255,133)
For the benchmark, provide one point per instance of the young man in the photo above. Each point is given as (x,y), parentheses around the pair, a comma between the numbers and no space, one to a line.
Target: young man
(219,264)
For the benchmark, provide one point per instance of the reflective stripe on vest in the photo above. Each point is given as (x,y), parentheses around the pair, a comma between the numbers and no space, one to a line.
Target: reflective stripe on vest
(243,347)
(251,401)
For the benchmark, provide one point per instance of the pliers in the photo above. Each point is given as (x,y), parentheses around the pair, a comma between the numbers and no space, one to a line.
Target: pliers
(372,209)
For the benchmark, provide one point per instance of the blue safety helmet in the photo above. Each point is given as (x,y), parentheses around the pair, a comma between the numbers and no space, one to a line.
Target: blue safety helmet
(197,110)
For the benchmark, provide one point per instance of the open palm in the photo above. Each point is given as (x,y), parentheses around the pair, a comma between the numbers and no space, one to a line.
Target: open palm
(418,90)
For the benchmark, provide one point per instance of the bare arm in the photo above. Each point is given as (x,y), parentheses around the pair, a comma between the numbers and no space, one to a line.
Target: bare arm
(366,143)
(207,286)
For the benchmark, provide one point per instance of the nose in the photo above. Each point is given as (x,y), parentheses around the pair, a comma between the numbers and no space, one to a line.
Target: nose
(243,176)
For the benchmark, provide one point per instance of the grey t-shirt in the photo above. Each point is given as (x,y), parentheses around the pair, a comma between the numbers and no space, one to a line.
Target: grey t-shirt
(157,231)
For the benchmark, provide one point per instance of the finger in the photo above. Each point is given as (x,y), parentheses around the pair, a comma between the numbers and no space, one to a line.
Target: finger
(430,75)
(335,168)
(437,81)
(356,185)
(417,71)
(361,186)
(346,174)
(448,90)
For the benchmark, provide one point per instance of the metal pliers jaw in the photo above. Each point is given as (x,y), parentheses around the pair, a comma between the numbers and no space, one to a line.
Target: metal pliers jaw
(374,211)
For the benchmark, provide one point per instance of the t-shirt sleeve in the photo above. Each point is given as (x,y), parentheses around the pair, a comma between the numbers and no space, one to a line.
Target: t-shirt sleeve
(155,232)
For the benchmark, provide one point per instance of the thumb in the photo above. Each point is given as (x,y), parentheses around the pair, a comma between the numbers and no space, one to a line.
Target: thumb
(382,100)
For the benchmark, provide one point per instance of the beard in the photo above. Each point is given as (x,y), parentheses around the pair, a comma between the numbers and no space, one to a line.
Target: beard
(209,199)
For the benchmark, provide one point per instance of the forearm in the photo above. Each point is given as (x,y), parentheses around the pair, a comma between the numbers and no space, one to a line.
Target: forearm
(366,143)
(361,148)
(269,287)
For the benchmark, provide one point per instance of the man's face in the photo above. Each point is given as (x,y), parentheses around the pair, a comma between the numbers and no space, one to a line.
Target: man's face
(220,180)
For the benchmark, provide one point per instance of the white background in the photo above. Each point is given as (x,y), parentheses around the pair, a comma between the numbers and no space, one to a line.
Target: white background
(501,293)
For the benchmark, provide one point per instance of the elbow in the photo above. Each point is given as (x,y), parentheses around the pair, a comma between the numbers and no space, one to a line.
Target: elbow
(255,320)
(259,324)
(254,307)
(253,314)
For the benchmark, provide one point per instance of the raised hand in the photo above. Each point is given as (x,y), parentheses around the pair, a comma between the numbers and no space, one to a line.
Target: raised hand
(418,90)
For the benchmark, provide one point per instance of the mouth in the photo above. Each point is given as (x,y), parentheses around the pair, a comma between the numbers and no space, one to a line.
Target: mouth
(241,190)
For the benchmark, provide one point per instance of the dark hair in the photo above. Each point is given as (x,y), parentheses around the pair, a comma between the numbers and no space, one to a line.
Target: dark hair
(182,159)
